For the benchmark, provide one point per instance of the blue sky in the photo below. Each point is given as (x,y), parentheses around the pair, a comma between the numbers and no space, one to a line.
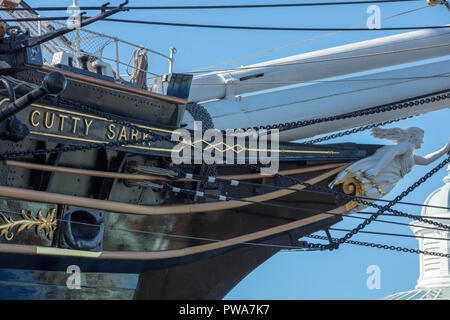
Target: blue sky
(339,274)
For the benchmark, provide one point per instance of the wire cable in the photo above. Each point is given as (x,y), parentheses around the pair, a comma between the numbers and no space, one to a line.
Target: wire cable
(213,26)
(391,234)
(170,235)
(261,28)
(398,223)
(240,6)
(412,216)
(283,247)
(266,185)
(326,59)
(303,41)
(248,243)
(243,83)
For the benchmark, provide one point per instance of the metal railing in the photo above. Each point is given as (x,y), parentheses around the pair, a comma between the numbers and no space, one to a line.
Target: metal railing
(83,42)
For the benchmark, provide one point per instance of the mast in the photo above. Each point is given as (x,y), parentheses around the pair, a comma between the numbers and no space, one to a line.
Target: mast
(76,11)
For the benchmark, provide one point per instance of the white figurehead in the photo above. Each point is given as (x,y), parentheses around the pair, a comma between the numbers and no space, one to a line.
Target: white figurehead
(375,176)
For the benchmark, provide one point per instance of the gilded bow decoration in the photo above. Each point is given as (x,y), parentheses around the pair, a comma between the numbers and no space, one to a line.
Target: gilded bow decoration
(48,224)
(354,183)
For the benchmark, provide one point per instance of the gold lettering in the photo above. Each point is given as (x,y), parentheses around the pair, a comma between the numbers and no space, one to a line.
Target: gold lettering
(122,134)
(86,126)
(75,119)
(134,134)
(46,124)
(111,131)
(145,136)
(61,121)
(35,112)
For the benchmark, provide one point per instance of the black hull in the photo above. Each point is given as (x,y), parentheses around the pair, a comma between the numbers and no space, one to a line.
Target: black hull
(209,275)
(134,255)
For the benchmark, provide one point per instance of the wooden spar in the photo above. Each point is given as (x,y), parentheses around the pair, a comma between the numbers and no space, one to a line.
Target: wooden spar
(120,207)
(289,172)
(336,61)
(83,172)
(143,177)
(113,85)
(156,255)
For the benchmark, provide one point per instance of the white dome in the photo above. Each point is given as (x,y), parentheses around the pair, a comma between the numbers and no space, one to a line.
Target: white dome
(421,294)
(434,278)
(434,270)
(440,198)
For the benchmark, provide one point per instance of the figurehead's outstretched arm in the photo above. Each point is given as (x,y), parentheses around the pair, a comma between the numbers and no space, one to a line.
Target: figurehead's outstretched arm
(423,161)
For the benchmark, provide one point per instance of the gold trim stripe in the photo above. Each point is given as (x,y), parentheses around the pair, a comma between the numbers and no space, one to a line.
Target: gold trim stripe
(67,252)
(178,150)
(209,145)
(90,116)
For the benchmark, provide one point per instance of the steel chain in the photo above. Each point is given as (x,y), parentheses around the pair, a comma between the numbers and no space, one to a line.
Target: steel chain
(335,244)
(352,131)
(384,246)
(389,107)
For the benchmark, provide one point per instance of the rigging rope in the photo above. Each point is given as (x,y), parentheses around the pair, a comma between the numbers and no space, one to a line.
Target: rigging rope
(300,42)
(311,60)
(210,26)
(266,185)
(436,76)
(264,28)
(168,234)
(140,67)
(242,6)
(392,234)
(218,240)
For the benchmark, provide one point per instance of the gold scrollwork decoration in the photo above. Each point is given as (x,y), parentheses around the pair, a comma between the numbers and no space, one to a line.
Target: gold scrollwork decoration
(353,187)
(354,184)
(48,224)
